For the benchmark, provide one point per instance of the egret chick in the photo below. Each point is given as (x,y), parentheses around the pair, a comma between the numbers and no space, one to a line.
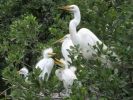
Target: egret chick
(67,75)
(24,71)
(66,47)
(46,64)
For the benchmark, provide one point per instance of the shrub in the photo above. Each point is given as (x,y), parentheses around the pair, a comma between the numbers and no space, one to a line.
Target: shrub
(28,26)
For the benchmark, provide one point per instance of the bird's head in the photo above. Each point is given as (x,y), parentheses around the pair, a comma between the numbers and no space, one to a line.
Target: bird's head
(61,40)
(71,8)
(67,36)
(62,63)
(23,71)
(48,52)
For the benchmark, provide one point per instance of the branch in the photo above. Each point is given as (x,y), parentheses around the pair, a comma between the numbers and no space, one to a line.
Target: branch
(4,91)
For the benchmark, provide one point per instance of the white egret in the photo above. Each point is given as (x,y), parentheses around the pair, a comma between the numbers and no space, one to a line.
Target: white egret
(24,71)
(46,64)
(66,45)
(84,37)
(67,75)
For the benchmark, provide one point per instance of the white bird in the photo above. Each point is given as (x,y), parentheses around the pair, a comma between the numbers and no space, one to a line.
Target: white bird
(84,37)
(66,47)
(67,75)
(24,71)
(46,64)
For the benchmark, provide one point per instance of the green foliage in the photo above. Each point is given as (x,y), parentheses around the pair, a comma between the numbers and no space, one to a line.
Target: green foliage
(22,38)
(99,80)
(28,26)
(25,28)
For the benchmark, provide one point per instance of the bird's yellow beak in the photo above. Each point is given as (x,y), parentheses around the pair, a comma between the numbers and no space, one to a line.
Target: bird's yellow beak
(59,41)
(58,62)
(51,54)
(67,8)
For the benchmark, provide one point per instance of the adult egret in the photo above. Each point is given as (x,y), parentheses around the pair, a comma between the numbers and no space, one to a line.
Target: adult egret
(46,64)
(66,45)
(67,75)
(84,37)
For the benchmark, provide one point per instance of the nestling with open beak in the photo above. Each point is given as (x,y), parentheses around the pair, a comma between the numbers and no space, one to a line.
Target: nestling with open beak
(67,75)
(46,64)
(66,45)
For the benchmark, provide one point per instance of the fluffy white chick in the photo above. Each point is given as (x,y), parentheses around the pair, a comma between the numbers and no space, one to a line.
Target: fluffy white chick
(46,64)
(24,71)
(66,45)
(67,75)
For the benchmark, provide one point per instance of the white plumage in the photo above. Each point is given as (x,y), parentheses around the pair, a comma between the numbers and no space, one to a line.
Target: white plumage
(24,71)
(67,75)
(87,43)
(66,45)
(84,37)
(46,64)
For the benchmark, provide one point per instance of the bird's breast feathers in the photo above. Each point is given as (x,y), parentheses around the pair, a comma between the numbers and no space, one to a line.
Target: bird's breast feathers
(45,63)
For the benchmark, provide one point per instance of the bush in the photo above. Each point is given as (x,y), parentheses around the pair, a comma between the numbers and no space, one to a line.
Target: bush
(28,26)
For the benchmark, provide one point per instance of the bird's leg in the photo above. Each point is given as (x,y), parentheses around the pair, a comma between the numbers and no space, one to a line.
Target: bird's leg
(42,75)
(47,77)
(67,92)
(70,91)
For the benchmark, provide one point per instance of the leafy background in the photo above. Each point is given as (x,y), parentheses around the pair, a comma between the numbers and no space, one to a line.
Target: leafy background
(28,26)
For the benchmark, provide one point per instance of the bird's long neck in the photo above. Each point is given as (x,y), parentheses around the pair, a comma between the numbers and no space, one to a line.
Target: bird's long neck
(72,26)
(77,17)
